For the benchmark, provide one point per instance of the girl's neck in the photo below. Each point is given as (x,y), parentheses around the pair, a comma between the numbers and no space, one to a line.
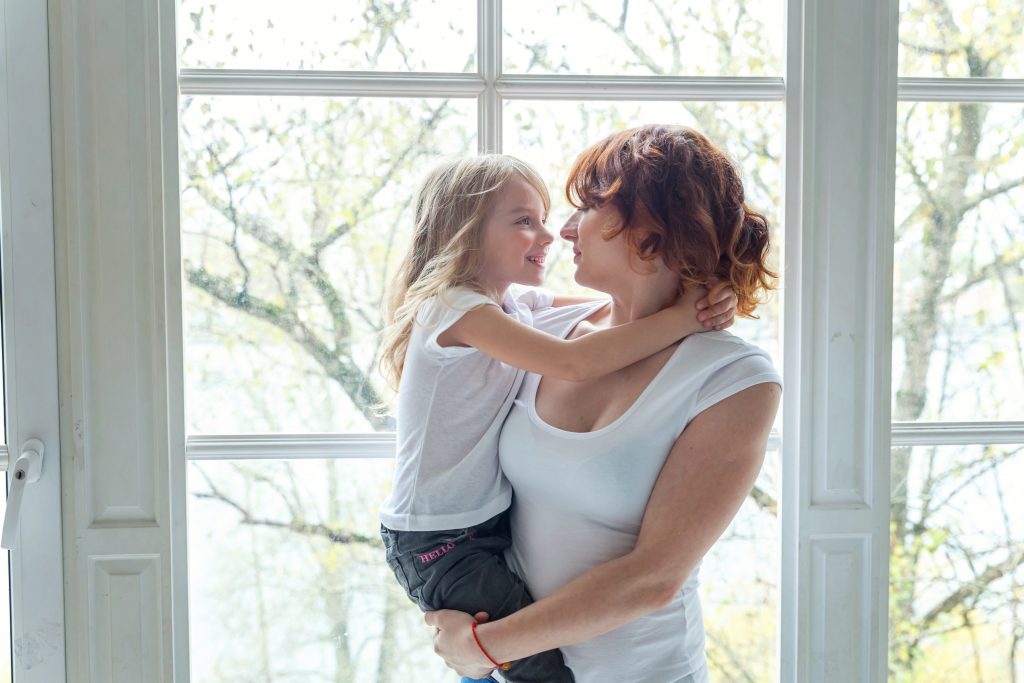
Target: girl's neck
(495,291)
(496,294)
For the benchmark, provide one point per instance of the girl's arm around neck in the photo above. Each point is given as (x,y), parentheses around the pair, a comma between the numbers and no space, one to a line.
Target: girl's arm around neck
(705,479)
(491,331)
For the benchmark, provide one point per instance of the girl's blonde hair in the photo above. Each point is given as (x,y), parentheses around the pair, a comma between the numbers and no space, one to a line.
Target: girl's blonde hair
(452,207)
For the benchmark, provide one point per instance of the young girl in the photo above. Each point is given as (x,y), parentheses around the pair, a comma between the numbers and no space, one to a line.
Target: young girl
(458,340)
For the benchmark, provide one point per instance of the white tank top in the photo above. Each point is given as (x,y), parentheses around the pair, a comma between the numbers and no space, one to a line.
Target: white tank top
(580,497)
(451,403)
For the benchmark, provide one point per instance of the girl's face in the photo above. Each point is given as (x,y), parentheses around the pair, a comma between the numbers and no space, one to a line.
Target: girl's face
(598,260)
(516,240)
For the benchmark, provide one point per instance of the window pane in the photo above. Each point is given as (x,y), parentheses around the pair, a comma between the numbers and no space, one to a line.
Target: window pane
(958,302)
(673,38)
(961,38)
(295,212)
(957,564)
(383,35)
(551,134)
(287,578)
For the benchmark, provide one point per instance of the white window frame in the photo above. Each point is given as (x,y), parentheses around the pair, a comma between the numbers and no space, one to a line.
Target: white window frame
(37,644)
(840,92)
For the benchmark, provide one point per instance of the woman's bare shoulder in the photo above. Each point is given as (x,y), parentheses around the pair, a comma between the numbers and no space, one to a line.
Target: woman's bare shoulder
(598,320)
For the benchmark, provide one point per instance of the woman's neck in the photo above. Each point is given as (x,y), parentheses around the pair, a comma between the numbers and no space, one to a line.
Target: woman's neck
(642,295)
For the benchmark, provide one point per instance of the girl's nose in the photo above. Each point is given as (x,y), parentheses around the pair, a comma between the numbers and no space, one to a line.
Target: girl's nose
(544,235)
(568,231)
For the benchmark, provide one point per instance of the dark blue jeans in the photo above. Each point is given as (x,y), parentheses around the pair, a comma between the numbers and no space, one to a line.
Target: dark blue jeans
(465,570)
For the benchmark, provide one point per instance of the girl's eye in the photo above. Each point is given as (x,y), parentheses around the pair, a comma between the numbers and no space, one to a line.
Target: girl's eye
(525,220)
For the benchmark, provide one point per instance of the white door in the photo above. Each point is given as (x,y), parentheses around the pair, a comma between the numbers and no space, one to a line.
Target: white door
(33,651)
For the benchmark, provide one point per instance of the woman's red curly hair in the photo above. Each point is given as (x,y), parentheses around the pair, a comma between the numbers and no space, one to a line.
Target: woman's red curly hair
(681,198)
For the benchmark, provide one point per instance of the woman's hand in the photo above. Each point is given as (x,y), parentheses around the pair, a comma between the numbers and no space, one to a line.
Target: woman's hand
(453,640)
(718,309)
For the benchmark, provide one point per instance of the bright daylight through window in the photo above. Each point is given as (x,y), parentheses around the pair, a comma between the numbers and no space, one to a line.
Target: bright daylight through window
(295,211)
(296,208)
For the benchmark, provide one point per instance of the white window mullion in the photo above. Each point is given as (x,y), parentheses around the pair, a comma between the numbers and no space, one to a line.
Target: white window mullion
(119,278)
(489,66)
(650,88)
(523,86)
(961,89)
(290,446)
(307,446)
(840,179)
(382,444)
(328,83)
(957,433)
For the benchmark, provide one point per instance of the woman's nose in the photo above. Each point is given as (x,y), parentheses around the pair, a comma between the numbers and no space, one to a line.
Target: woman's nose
(568,231)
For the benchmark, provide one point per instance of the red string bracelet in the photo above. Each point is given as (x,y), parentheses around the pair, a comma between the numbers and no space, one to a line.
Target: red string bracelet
(503,667)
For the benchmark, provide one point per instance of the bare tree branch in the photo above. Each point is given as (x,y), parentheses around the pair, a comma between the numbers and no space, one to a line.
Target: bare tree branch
(984,196)
(340,368)
(974,588)
(620,31)
(334,535)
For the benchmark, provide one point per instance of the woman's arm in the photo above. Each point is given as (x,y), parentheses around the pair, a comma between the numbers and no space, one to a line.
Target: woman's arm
(705,479)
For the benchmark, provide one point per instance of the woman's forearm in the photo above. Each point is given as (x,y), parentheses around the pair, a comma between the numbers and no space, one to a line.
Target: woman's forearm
(601,600)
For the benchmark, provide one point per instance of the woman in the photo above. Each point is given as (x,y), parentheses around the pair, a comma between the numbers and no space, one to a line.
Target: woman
(623,482)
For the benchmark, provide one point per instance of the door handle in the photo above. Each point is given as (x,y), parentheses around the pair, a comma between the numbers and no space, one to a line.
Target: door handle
(26,470)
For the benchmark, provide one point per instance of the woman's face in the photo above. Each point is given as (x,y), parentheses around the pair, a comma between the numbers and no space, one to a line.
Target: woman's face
(598,260)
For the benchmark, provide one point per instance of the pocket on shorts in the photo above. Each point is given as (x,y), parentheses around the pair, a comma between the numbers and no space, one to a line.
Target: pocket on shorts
(401,565)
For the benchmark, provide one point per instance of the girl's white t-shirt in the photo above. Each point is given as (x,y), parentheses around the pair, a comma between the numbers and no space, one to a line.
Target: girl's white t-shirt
(580,497)
(451,404)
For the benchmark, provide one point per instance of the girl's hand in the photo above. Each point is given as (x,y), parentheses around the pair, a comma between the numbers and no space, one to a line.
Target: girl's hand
(718,309)
(453,640)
